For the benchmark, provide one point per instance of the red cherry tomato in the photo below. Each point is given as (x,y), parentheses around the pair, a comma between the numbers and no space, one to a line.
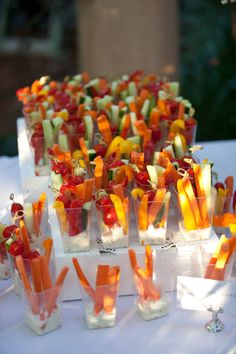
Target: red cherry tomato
(100,150)
(16,248)
(103,203)
(9,230)
(17,208)
(32,254)
(142,178)
(151,194)
(116,164)
(66,201)
(219,185)
(110,217)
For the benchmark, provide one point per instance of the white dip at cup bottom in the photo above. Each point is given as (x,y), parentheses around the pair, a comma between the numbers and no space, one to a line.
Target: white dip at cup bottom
(42,326)
(101,320)
(78,243)
(152,236)
(149,309)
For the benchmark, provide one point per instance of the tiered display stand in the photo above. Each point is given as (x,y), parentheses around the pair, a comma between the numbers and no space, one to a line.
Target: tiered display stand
(171,256)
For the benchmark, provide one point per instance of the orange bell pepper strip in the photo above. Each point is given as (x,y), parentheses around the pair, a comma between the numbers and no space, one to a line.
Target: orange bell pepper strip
(156,205)
(201,194)
(124,131)
(161,182)
(25,237)
(229,182)
(41,204)
(224,220)
(133,259)
(133,107)
(219,269)
(105,128)
(35,218)
(47,245)
(119,191)
(212,262)
(61,215)
(188,217)
(98,171)
(147,137)
(192,200)
(143,213)
(88,189)
(154,117)
(232,247)
(84,150)
(144,94)
(101,283)
(85,77)
(141,127)
(120,212)
(137,158)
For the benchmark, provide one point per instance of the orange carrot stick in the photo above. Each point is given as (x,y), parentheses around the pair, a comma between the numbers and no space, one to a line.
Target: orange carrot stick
(133,107)
(143,213)
(201,195)
(46,278)
(149,289)
(101,282)
(36,275)
(110,295)
(192,200)
(149,261)
(133,259)
(84,150)
(59,282)
(25,237)
(181,111)
(32,299)
(83,280)
(41,204)
(105,128)
(47,245)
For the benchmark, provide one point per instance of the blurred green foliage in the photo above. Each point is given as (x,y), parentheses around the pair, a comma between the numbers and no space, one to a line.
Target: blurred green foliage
(208,66)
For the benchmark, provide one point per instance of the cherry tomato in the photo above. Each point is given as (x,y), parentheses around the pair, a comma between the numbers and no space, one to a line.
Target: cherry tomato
(110,217)
(17,208)
(103,203)
(100,150)
(9,230)
(148,152)
(142,178)
(151,194)
(116,164)
(16,248)
(219,185)
(66,201)
(32,254)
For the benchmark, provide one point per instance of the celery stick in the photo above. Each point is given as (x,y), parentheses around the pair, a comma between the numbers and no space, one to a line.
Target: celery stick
(57,181)
(132,89)
(145,108)
(57,124)
(174,88)
(63,142)
(115,114)
(133,118)
(28,217)
(88,121)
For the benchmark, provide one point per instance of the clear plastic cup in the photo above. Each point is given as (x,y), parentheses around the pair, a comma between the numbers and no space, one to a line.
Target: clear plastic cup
(114,232)
(43,310)
(152,225)
(100,311)
(4,262)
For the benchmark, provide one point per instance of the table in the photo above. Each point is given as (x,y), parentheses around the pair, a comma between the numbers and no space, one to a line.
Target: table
(180,332)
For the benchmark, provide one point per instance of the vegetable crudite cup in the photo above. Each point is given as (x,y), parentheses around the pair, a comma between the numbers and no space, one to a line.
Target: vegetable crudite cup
(4,262)
(99,302)
(196,199)
(41,296)
(113,217)
(74,208)
(150,300)
(151,211)
(225,206)
(19,244)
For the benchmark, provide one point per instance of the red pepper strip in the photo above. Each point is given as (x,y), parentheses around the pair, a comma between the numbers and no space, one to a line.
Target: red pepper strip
(229,183)
(74,218)
(105,128)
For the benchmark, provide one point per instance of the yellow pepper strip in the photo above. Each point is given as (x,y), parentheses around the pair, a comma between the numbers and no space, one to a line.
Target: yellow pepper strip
(212,261)
(98,171)
(220,201)
(229,182)
(192,200)
(177,125)
(84,150)
(120,212)
(156,205)
(126,147)
(188,217)
(61,214)
(199,181)
(219,270)
(137,193)
(105,128)
(143,213)
(114,145)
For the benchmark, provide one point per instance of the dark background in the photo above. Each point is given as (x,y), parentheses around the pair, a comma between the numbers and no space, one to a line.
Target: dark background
(207,63)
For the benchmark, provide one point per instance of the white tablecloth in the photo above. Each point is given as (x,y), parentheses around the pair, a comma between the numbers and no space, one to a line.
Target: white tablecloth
(181,332)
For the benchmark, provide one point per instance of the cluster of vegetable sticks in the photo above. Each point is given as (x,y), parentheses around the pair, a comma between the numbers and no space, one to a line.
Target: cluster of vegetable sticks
(38,208)
(153,212)
(121,205)
(220,258)
(195,210)
(41,282)
(83,191)
(105,292)
(144,277)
